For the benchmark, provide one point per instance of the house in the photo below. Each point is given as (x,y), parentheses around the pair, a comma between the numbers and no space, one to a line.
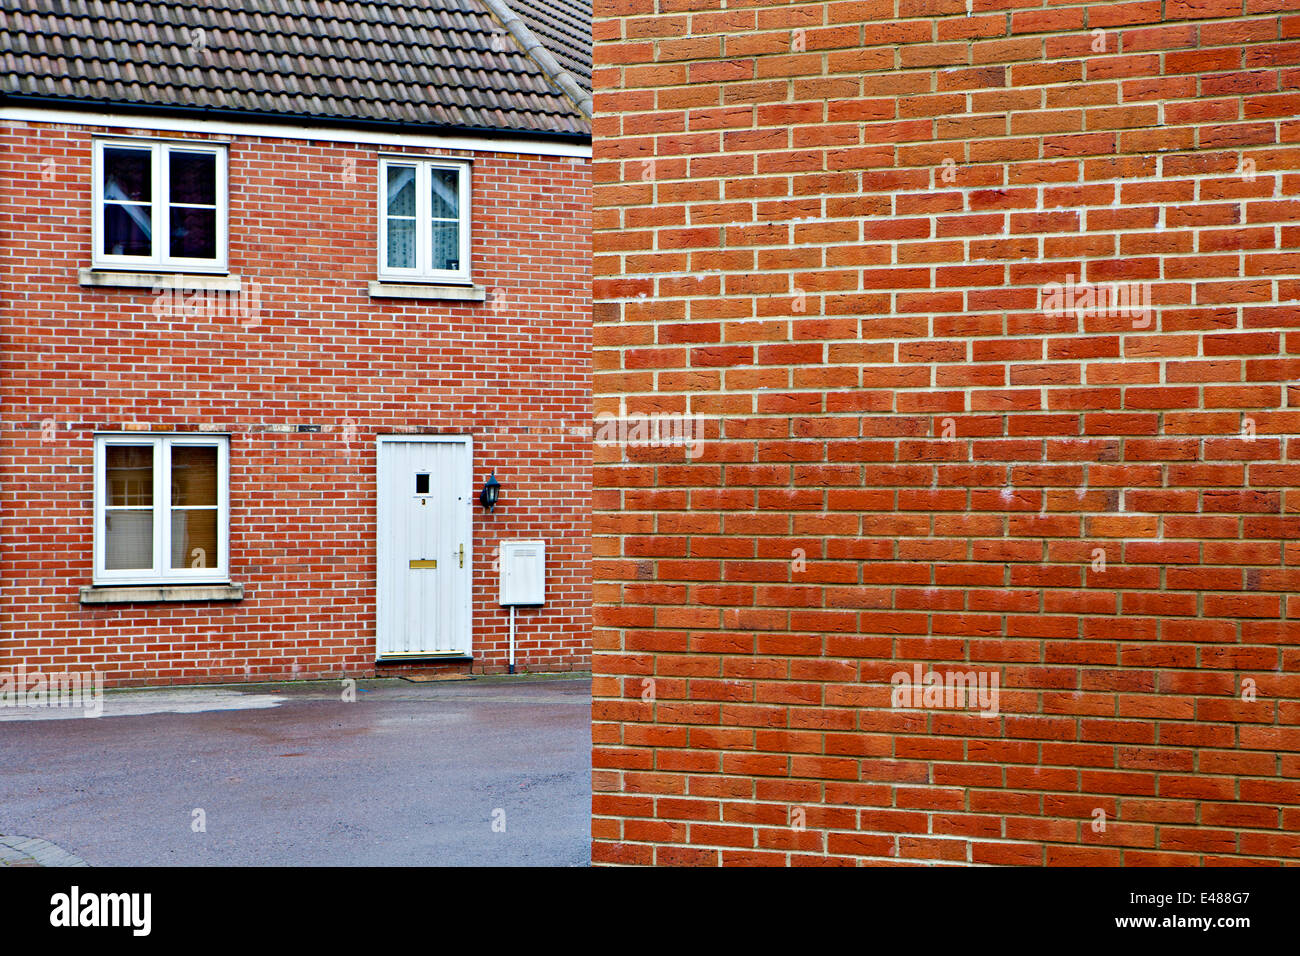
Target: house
(285,288)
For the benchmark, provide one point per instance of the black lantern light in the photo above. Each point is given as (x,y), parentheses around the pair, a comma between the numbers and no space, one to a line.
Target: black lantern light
(491,491)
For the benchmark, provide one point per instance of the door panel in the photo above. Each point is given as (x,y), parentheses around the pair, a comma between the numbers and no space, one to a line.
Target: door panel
(424,522)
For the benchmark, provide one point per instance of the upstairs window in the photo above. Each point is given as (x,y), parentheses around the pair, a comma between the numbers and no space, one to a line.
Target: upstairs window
(162,509)
(160,205)
(424,220)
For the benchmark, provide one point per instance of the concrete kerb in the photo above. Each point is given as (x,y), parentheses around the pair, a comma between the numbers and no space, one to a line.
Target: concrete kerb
(33,851)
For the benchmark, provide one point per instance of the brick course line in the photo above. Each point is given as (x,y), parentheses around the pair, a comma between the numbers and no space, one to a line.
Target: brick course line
(828,228)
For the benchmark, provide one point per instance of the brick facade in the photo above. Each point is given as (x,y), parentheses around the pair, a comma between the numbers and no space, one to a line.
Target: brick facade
(321,354)
(854,235)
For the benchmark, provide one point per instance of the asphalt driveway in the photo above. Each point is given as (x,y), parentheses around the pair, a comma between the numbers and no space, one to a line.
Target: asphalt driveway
(476,772)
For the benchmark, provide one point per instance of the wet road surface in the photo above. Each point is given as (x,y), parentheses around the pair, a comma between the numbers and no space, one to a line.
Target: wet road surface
(477,772)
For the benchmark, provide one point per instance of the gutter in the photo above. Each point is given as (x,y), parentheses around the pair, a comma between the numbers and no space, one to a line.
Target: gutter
(536,52)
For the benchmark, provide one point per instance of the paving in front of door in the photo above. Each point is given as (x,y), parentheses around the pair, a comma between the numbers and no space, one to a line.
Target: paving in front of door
(475,772)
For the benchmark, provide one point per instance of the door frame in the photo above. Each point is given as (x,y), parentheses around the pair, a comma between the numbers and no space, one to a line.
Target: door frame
(468,479)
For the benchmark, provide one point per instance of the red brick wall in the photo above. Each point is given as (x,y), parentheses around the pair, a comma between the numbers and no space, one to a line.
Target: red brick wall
(322,353)
(828,226)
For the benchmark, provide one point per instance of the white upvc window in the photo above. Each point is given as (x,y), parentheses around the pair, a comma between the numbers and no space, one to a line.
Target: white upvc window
(162,509)
(424,219)
(160,205)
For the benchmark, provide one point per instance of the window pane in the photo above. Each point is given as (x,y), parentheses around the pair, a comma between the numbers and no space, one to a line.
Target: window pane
(194,475)
(129,471)
(446,246)
(128,230)
(446,193)
(193,233)
(128,174)
(128,540)
(401,243)
(192,177)
(401,190)
(194,538)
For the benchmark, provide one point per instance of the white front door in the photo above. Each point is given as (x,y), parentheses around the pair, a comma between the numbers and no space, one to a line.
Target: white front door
(425,503)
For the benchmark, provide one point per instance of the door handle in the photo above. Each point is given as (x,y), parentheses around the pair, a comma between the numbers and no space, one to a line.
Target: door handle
(462,555)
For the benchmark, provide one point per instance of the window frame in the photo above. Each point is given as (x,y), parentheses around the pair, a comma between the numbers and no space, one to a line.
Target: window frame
(424,219)
(160,206)
(161,573)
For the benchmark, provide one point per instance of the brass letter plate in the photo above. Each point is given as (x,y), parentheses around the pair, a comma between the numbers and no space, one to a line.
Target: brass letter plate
(420,563)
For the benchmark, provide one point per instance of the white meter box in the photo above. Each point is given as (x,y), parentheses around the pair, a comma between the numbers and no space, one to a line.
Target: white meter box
(523,572)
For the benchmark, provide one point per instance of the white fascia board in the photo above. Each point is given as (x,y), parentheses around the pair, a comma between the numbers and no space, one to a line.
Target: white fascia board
(484,144)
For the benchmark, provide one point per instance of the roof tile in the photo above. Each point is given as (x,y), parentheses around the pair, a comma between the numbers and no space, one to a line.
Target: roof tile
(422,62)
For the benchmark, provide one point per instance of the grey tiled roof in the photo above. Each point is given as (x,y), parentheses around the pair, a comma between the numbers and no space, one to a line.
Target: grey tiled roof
(439,63)
(564,27)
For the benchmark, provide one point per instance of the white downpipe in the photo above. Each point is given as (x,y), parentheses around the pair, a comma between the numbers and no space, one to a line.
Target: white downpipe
(512,638)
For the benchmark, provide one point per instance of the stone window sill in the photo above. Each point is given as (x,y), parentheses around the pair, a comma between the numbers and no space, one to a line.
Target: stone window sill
(107,278)
(415,290)
(156,593)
